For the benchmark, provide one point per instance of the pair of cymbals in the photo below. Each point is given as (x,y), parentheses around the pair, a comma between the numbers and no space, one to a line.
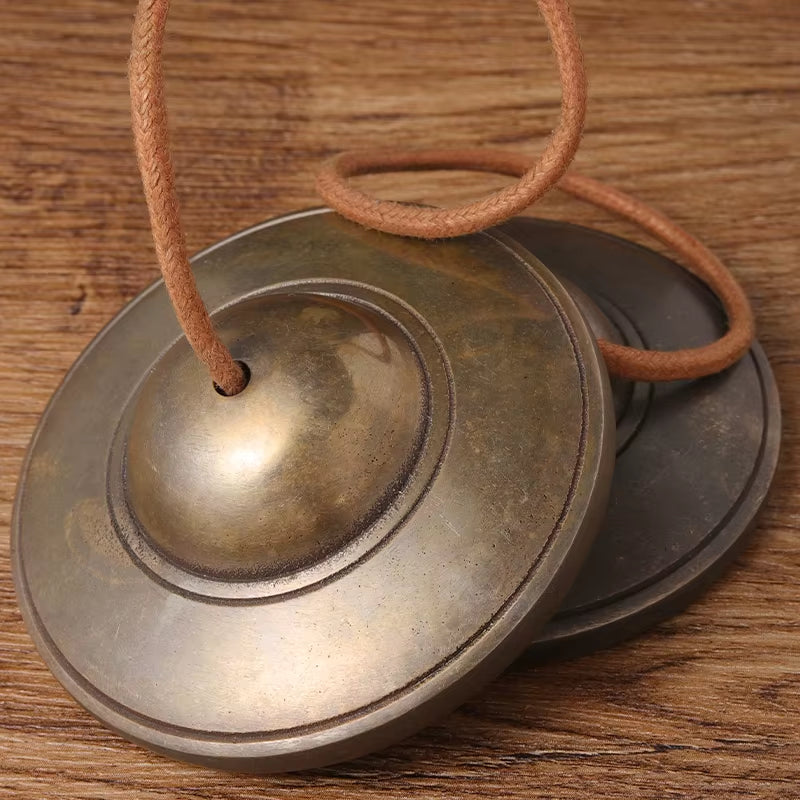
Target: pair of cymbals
(428,473)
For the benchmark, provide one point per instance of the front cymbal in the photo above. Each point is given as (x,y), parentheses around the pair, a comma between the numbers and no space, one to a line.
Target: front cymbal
(375,526)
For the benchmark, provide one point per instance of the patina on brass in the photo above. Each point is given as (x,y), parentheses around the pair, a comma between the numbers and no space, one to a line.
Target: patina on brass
(378,524)
(297,465)
(695,459)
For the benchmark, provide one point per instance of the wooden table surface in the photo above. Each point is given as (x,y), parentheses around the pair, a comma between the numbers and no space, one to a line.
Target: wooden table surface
(695,106)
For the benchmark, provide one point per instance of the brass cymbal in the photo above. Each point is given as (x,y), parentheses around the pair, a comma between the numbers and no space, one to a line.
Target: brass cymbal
(695,459)
(377,525)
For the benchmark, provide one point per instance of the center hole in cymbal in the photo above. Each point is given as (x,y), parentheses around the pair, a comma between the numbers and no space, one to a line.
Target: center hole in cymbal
(245,371)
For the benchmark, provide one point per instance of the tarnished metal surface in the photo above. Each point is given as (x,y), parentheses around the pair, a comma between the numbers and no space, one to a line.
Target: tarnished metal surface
(300,463)
(380,522)
(694,459)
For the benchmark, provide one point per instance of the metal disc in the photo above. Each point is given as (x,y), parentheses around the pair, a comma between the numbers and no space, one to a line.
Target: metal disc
(378,524)
(694,459)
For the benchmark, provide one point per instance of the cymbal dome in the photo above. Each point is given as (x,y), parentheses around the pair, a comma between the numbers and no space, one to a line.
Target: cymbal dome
(299,463)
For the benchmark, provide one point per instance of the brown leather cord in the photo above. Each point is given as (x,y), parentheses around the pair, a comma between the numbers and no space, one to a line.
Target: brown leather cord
(538,178)
(535,178)
(151,134)
(627,362)
(697,362)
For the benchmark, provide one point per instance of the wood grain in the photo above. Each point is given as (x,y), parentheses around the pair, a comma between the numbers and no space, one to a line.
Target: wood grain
(695,106)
